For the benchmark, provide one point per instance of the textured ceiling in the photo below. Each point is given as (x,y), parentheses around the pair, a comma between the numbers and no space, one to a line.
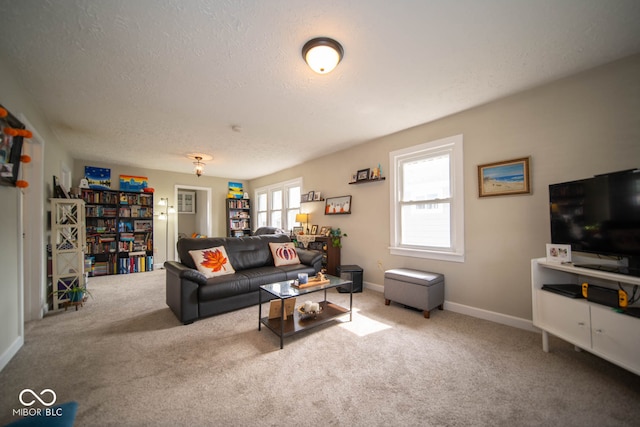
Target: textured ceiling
(145,83)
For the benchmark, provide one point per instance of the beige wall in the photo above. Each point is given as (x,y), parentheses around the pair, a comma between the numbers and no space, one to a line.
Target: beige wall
(574,128)
(164,184)
(17,100)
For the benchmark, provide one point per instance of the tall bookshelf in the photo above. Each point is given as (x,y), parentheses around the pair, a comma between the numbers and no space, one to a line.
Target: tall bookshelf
(119,231)
(67,248)
(238,217)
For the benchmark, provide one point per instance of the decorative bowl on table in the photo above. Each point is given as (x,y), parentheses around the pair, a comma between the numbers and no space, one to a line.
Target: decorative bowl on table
(304,315)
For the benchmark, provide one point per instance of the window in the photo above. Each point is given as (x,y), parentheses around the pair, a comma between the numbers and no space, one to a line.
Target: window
(278,204)
(261,210)
(427,200)
(276,208)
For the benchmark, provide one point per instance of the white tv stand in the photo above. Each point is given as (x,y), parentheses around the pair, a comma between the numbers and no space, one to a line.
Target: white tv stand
(593,327)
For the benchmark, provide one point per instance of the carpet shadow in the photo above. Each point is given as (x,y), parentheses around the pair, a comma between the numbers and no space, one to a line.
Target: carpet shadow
(156,320)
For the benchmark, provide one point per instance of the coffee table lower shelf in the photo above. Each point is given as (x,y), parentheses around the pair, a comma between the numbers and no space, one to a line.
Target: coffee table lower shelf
(295,323)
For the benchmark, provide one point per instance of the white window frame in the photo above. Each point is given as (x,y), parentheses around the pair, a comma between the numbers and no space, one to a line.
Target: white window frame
(454,145)
(284,187)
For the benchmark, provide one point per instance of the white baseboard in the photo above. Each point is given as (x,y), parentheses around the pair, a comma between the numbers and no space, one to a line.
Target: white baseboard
(373,287)
(10,352)
(504,319)
(479,313)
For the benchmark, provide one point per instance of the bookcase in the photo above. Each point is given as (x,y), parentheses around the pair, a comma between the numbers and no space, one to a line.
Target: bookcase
(119,231)
(330,254)
(238,217)
(67,248)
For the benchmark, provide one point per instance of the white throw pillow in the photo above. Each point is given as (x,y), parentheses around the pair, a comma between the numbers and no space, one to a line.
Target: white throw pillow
(212,262)
(284,253)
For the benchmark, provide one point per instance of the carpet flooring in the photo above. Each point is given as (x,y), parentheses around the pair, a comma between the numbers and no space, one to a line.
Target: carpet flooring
(127,361)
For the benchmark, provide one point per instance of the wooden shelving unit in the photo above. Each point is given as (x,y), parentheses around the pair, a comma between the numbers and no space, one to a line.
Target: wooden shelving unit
(119,231)
(238,217)
(331,254)
(67,248)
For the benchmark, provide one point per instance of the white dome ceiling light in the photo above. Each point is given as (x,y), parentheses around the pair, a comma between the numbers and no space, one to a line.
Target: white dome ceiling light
(322,54)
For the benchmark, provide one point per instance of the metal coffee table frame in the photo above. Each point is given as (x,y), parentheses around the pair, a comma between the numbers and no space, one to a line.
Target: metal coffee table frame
(294,324)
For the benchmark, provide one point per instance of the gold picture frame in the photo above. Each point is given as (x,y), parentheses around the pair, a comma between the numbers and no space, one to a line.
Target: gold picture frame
(504,178)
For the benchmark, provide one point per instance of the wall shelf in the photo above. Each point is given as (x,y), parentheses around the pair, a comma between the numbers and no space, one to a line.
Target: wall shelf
(364,181)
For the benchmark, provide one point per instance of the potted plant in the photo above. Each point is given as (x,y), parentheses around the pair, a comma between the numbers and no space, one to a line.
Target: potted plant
(74,294)
(336,237)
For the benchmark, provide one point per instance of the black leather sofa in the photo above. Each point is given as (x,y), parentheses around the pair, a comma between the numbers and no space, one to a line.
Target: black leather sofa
(192,296)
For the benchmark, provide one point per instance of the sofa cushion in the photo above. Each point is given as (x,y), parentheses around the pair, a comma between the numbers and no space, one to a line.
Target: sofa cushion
(243,252)
(284,254)
(223,287)
(291,271)
(212,262)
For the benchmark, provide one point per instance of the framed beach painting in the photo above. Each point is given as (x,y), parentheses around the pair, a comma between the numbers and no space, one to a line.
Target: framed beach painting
(504,178)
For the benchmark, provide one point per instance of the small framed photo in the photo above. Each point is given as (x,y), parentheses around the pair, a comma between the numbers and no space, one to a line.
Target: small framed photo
(323,230)
(559,254)
(314,230)
(275,308)
(363,174)
(354,177)
(304,198)
(310,196)
(337,205)
(504,178)
(327,232)
(317,196)
(297,230)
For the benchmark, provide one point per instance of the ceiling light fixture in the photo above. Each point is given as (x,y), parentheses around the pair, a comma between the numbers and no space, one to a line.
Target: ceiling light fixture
(322,54)
(199,166)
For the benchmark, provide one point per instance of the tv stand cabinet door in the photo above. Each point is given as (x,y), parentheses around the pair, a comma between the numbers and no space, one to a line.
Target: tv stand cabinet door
(564,317)
(616,337)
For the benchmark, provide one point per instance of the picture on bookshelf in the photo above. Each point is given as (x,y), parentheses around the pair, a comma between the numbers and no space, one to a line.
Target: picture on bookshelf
(98,178)
(143,225)
(363,174)
(133,183)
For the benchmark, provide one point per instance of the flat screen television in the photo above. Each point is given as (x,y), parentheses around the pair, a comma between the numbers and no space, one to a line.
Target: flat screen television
(599,215)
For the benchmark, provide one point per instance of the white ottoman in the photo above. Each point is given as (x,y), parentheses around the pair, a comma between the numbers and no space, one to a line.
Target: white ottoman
(414,288)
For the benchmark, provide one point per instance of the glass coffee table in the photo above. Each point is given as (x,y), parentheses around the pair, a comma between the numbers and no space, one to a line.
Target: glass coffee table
(296,322)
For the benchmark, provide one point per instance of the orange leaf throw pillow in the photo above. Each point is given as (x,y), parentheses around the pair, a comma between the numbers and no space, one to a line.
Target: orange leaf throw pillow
(212,262)
(284,254)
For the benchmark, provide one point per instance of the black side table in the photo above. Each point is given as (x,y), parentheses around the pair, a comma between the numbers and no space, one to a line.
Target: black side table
(353,273)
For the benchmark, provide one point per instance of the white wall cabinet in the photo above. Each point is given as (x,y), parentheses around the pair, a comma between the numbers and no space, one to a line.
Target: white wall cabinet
(590,326)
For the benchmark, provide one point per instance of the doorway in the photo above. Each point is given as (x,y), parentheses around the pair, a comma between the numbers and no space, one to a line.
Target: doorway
(32,228)
(193,216)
